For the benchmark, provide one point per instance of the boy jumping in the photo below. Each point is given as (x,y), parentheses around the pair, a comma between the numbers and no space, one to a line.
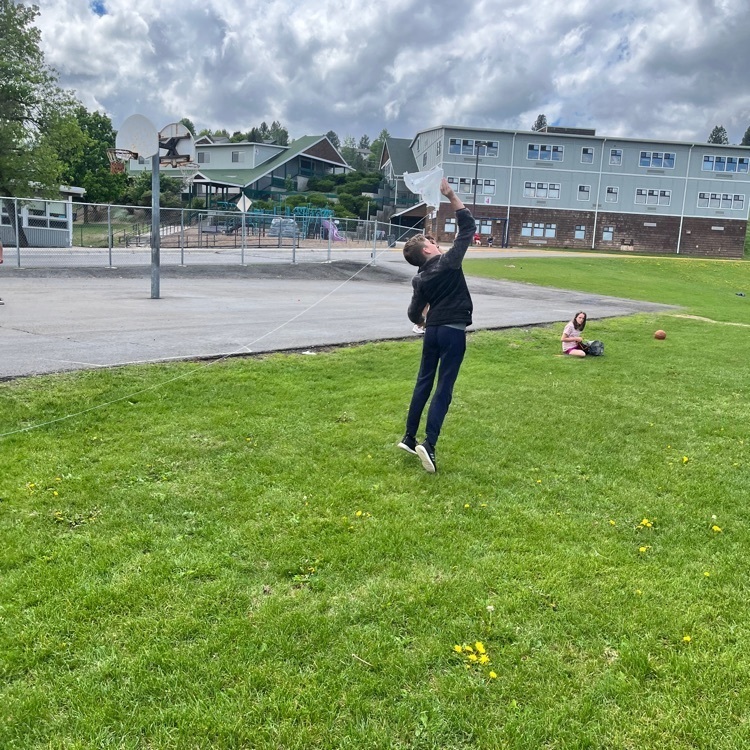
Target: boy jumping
(439,283)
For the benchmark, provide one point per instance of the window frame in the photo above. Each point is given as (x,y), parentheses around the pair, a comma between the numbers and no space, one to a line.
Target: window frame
(584,189)
(615,157)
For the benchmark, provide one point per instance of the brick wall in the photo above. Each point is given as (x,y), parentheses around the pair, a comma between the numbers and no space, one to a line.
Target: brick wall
(636,233)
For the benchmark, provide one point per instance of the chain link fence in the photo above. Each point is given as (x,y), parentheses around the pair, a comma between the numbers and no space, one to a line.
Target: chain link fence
(45,234)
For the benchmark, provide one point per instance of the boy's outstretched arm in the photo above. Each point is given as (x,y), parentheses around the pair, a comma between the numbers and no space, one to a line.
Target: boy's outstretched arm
(465,224)
(448,192)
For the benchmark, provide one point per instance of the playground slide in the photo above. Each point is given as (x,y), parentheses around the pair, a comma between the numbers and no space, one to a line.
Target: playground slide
(329,226)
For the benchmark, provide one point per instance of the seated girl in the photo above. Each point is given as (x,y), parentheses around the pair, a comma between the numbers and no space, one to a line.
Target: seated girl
(572,336)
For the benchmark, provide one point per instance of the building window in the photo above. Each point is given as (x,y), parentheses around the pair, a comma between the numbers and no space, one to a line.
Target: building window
(491,148)
(464,185)
(615,157)
(580,232)
(653,197)
(238,156)
(550,230)
(424,159)
(613,194)
(657,159)
(584,192)
(204,157)
(725,163)
(608,233)
(733,201)
(453,182)
(450,226)
(541,190)
(439,148)
(544,152)
(466,146)
(587,155)
(526,229)
(485,187)
(485,226)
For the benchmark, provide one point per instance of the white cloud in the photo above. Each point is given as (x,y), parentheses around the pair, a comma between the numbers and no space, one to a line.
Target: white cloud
(670,70)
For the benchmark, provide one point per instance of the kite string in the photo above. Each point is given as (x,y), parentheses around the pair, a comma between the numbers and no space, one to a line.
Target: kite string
(196,370)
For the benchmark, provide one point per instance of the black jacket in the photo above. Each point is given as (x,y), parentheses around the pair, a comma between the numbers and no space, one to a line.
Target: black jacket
(440,282)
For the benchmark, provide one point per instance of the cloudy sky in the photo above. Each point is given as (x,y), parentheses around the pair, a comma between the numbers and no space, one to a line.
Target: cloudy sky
(670,69)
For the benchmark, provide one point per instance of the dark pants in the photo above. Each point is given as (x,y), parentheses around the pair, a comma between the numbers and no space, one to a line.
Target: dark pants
(444,347)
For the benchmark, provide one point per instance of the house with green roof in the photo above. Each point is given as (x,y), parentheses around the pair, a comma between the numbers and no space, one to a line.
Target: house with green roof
(226,169)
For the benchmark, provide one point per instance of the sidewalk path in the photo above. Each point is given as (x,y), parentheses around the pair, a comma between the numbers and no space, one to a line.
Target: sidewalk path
(70,319)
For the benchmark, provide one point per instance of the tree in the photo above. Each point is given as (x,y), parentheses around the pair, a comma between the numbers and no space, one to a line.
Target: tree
(719,135)
(746,138)
(188,124)
(540,123)
(279,134)
(87,165)
(334,139)
(364,142)
(36,116)
(376,149)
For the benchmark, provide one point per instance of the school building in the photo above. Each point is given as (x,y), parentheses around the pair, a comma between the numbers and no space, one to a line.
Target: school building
(570,188)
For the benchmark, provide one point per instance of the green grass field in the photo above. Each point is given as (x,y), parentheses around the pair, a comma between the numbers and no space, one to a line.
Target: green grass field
(242,558)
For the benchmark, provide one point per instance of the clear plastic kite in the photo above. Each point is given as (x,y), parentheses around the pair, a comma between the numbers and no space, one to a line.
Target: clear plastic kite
(426,184)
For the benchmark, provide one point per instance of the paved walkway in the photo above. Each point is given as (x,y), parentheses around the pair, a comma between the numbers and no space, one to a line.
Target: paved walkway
(76,318)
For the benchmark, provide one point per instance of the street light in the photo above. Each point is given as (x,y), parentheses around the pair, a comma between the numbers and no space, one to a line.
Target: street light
(477,146)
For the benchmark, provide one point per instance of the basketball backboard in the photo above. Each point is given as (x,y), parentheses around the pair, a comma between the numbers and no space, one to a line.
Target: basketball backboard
(176,144)
(139,136)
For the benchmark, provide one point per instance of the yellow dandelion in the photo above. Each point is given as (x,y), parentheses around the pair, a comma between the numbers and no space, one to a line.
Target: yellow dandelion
(611,522)
(638,591)
(484,659)
(458,649)
(645,548)
(466,505)
(469,649)
(685,459)
(686,639)
(358,513)
(493,676)
(473,658)
(479,646)
(646,523)
(538,481)
(716,529)
(706,574)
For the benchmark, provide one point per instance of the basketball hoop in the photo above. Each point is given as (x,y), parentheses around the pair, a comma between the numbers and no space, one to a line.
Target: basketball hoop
(188,171)
(118,157)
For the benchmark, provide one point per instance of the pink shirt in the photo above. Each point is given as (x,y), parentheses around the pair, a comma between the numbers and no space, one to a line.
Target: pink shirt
(570,330)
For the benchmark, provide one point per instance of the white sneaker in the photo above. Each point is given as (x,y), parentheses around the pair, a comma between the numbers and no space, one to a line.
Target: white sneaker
(418,330)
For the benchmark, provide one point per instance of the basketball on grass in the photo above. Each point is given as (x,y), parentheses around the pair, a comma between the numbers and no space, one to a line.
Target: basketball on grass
(660,334)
